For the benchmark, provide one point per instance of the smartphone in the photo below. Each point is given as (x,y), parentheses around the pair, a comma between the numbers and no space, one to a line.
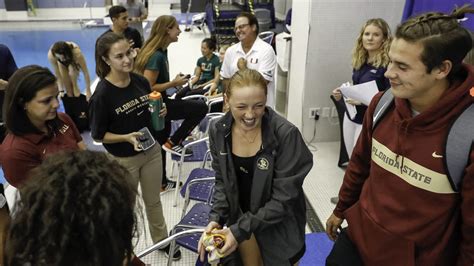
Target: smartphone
(146,140)
(188,76)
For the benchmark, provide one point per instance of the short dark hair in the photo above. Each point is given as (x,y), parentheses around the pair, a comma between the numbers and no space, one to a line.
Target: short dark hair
(442,37)
(469,59)
(77,209)
(102,49)
(22,88)
(115,11)
(251,18)
(210,43)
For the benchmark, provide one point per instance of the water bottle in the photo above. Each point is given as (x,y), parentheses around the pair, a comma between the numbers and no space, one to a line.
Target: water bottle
(155,105)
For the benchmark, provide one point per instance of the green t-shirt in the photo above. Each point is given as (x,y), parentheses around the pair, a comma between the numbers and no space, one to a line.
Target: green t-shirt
(159,62)
(208,67)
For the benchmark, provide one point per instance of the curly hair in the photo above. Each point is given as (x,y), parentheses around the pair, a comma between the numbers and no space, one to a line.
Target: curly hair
(442,37)
(77,209)
(360,54)
(159,39)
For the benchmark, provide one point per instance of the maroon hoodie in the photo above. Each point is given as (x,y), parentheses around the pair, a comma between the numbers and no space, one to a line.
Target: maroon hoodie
(396,196)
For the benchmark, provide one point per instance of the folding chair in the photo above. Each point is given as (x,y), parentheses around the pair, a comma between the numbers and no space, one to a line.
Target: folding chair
(200,150)
(191,226)
(201,188)
(166,241)
(267,36)
(214,102)
(196,218)
(199,21)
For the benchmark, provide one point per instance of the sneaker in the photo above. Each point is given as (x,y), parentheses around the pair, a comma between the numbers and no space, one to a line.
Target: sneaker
(170,185)
(175,149)
(176,254)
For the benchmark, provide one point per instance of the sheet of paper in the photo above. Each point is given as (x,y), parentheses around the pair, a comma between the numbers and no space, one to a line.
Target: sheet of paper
(351,110)
(363,92)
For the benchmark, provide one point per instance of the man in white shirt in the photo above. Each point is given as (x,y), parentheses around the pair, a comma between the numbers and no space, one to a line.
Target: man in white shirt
(251,52)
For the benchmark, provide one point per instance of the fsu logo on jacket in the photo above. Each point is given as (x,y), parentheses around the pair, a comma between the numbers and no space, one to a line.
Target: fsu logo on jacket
(262,164)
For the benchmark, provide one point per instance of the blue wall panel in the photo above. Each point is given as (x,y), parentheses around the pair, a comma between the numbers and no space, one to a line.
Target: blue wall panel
(415,7)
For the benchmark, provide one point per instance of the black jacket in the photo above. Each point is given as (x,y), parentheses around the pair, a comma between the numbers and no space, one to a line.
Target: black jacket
(277,215)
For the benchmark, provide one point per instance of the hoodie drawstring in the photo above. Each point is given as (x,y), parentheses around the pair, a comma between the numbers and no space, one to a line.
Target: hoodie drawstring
(402,129)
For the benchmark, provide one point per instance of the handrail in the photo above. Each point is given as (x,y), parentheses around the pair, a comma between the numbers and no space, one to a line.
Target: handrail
(167,240)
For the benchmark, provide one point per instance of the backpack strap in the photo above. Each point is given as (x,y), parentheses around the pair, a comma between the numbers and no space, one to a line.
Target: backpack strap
(384,103)
(458,147)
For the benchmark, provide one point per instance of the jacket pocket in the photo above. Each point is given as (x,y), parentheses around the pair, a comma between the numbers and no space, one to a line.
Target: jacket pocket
(376,245)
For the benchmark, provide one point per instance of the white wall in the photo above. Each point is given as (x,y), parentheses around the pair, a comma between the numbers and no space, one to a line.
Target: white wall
(298,70)
(324,62)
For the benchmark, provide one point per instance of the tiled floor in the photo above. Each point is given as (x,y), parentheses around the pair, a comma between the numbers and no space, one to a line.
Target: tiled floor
(321,184)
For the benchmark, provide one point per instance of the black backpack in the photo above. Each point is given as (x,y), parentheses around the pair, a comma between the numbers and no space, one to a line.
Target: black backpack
(458,143)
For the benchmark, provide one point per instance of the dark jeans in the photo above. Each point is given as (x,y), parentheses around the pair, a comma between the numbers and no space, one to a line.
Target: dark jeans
(192,111)
(344,252)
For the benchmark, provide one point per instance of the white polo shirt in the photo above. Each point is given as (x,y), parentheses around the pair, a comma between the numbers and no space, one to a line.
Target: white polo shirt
(260,57)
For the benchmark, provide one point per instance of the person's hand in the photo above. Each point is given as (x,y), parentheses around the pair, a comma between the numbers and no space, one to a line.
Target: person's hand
(337,94)
(131,42)
(242,63)
(231,243)
(332,224)
(353,102)
(132,138)
(163,111)
(213,88)
(180,80)
(201,248)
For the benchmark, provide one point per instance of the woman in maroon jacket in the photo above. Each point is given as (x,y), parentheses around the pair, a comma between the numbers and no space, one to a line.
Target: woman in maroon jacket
(35,128)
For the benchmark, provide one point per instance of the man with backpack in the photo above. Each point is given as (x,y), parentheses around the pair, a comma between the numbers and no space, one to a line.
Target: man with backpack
(402,204)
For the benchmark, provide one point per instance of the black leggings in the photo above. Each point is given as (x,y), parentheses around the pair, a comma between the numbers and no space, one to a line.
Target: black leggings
(187,91)
(192,111)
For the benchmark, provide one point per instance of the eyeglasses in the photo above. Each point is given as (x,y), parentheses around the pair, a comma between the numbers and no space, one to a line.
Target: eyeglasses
(240,27)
